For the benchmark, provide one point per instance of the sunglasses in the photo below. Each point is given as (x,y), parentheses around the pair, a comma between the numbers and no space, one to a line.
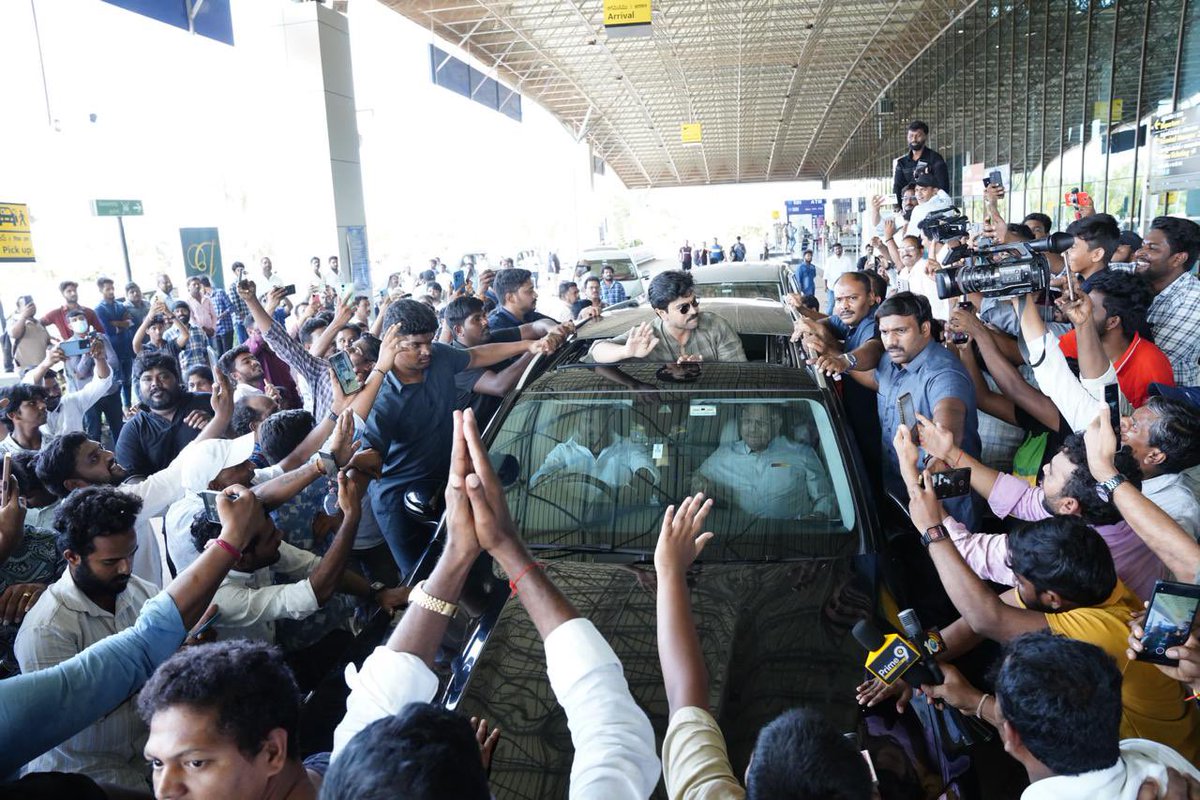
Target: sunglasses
(682,308)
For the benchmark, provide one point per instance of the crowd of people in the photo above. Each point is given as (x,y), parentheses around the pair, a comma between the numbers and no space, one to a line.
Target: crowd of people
(237,463)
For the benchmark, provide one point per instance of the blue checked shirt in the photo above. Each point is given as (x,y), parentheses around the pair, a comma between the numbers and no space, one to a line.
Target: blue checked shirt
(1175,315)
(224,308)
(195,353)
(611,295)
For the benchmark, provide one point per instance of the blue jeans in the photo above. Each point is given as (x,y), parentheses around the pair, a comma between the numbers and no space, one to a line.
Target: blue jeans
(829,298)
(405,537)
(110,407)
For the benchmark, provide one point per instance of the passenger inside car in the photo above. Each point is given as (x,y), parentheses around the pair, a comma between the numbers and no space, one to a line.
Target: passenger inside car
(595,452)
(764,472)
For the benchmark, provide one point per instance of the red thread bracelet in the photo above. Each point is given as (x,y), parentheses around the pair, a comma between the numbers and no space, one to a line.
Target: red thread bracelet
(958,460)
(226,546)
(512,585)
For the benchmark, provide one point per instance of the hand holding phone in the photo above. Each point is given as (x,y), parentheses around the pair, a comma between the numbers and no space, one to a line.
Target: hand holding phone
(343,369)
(1169,621)
(908,416)
(6,479)
(951,483)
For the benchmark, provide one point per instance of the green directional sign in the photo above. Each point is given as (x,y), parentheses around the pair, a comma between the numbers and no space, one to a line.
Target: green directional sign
(117,208)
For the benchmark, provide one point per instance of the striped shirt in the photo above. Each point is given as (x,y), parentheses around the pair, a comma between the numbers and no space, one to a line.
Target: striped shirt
(1175,315)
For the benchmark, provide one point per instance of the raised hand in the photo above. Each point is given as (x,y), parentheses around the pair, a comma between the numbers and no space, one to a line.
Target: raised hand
(350,495)
(937,439)
(1079,310)
(494,528)
(907,454)
(342,445)
(873,692)
(460,520)
(924,508)
(221,400)
(680,541)
(388,348)
(641,341)
(1100,442)
(487,741)
(242,515)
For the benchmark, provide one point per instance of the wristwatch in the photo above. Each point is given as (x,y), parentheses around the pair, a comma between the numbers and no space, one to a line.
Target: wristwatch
(935,534)
(418,597)
(851,359)
(1106,489)
(377,587)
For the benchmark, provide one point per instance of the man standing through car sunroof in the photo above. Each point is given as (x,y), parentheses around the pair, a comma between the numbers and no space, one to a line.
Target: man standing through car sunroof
(680,331)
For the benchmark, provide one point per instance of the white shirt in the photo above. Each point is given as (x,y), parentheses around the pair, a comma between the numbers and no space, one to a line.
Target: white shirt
(835,267)
(783,481)
(615,465)
(938,202)
(1140,759)
(243,390)
(71,407)
(1172,494)
(62,623)
(1078,400)
(554,307)
(615,753)
(250,602)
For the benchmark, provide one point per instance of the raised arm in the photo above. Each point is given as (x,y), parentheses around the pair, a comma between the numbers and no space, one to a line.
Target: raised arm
(1171,543)
(679,543)
(941,443)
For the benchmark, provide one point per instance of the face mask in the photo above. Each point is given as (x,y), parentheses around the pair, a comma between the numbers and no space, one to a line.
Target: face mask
(80,326)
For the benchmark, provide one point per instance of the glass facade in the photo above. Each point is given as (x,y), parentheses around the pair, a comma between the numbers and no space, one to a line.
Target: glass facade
(1061,92)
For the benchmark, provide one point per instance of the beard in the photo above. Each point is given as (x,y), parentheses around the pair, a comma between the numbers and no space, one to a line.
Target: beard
(90,585)
(163,399)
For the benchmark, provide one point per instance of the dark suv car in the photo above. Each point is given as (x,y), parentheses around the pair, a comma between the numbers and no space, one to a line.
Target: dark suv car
(591,456)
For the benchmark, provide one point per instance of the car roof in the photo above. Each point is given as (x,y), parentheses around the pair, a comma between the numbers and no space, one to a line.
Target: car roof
(748,316)
(713,377)
(738,272)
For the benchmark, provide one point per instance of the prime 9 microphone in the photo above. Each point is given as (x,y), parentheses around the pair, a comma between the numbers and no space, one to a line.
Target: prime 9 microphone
(892,657)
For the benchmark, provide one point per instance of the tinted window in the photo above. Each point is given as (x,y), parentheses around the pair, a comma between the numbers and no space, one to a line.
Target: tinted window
(752,291)
(596,472)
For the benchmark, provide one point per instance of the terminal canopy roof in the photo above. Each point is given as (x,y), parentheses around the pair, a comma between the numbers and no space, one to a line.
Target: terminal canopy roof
(778,86)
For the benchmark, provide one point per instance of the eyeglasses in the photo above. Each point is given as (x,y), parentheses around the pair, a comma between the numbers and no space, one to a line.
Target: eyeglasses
(682,308)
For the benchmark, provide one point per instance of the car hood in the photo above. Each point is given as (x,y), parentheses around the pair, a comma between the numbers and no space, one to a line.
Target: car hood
(774,637)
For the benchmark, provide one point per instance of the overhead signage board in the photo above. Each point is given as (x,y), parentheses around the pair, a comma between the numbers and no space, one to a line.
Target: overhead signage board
(202,254)
(624,18)
(117,208)
(16,243)
(813,208)
(690,133)
(1175,150)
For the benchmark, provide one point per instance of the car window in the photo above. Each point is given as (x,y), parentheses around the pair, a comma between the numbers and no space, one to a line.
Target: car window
(623,269)
(595,473)
(744,290)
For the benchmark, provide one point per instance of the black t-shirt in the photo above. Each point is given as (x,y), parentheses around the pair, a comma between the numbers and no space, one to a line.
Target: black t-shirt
(484,405)
(148,442)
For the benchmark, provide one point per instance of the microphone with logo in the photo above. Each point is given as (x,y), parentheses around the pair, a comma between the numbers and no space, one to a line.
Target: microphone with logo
(893,657)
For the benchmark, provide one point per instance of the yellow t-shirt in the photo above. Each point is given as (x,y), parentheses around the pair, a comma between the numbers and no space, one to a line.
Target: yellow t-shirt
(695,759)
(1153,705)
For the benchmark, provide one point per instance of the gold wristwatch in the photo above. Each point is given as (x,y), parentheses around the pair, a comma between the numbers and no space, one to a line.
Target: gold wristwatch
(419,597)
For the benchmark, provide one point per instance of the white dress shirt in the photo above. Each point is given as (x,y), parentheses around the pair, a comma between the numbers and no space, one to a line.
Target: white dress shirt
(251,602)
(615,465)
(1140,759)
(784,481)
(62,623)
(615,753)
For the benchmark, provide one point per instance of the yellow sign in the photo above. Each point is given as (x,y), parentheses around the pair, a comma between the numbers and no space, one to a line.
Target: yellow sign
(15,242)
(689,133)
(1101,110)
(775,214)
(626,12)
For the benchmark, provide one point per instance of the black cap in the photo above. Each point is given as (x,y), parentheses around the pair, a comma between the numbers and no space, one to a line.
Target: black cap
(927,180)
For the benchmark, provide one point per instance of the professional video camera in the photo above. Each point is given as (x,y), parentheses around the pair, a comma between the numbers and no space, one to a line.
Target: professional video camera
(1003,270)
(945,224)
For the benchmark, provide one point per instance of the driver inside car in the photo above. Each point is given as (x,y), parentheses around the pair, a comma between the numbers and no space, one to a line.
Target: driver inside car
(764,473)
(594,450)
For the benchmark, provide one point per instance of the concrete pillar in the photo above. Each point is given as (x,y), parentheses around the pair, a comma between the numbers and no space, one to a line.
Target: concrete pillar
(317,40)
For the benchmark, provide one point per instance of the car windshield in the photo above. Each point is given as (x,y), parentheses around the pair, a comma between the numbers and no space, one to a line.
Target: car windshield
(623,269)
(594,473)
(745,290)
